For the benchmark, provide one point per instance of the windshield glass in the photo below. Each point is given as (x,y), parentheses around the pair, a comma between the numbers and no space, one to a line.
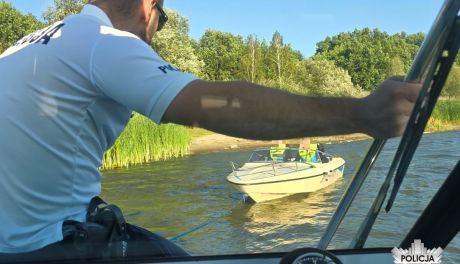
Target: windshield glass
(213,194)
(150,195)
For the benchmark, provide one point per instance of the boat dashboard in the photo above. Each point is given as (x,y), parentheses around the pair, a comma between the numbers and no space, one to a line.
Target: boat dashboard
(298,256)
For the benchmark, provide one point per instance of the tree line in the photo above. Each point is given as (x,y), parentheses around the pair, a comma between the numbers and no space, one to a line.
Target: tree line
(347,64)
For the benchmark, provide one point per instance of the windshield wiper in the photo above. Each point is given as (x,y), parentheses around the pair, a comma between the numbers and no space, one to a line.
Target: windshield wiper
(432,64)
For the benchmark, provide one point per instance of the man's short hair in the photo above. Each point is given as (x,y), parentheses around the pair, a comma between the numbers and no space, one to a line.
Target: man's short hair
(123,7)
(126,7)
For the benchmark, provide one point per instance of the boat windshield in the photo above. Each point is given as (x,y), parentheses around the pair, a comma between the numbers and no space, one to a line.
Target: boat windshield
(260,155)
(276,154)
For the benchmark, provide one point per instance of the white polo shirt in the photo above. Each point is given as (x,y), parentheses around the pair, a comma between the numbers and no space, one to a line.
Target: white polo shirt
(66,94)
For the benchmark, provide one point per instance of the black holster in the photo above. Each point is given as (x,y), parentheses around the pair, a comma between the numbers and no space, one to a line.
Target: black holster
(103,235)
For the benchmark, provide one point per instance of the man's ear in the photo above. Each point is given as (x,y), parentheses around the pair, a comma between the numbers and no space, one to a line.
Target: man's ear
(146,8)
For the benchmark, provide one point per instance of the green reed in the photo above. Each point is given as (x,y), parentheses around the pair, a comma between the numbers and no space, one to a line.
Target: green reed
(447,110)
(446,115)
(143,141)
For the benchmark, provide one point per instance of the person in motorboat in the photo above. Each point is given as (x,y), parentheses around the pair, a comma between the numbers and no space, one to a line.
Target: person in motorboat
(68,91)
(308,152)
(278,153)
(304,150)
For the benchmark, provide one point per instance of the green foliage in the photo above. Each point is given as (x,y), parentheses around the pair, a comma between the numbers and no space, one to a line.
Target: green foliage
(446,115)
(274,64)
(447,111)
(395,67)
(282,60)
(370,56)
(143,141)
(61,9)
(174,44)
(452,86)
(221,52)
(324,78)
(252,60)
(15,25)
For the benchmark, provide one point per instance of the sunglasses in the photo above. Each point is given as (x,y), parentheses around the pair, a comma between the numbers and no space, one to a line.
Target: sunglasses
(163,17)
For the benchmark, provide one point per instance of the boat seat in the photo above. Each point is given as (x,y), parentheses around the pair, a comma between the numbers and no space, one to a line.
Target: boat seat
(291,155)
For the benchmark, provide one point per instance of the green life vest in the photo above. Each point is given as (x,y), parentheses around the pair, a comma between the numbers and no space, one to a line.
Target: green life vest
(277,153)
(309,154)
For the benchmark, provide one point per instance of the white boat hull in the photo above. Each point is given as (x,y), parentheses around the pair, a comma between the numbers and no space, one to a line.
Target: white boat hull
(268,181)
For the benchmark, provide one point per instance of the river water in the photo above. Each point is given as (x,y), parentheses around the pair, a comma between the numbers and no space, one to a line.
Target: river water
(189,200)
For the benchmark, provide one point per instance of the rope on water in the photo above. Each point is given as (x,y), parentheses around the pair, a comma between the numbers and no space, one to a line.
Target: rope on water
(216,219)
(176,237)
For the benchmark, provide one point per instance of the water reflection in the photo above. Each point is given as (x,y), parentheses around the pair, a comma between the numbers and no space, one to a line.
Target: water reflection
(294,216)
(298,209)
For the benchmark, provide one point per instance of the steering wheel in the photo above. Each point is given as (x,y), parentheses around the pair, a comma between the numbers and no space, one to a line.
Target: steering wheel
(309,256)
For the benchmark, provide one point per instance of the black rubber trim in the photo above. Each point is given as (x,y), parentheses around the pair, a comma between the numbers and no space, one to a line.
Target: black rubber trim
(339,252)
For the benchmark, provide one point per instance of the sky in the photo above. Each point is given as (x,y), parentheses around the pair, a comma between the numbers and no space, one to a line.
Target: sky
(302,23)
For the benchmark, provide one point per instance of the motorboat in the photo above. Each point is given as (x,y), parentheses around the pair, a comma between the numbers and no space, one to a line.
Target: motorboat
(273,173)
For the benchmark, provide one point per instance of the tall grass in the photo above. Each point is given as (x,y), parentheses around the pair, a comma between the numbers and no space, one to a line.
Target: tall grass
(446,115)
(143,141)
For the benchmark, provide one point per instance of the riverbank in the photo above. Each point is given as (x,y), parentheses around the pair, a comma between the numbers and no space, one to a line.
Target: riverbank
(216,142)
(212,142)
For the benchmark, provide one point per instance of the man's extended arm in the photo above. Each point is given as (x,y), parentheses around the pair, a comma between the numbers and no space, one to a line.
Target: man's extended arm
(252,111)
